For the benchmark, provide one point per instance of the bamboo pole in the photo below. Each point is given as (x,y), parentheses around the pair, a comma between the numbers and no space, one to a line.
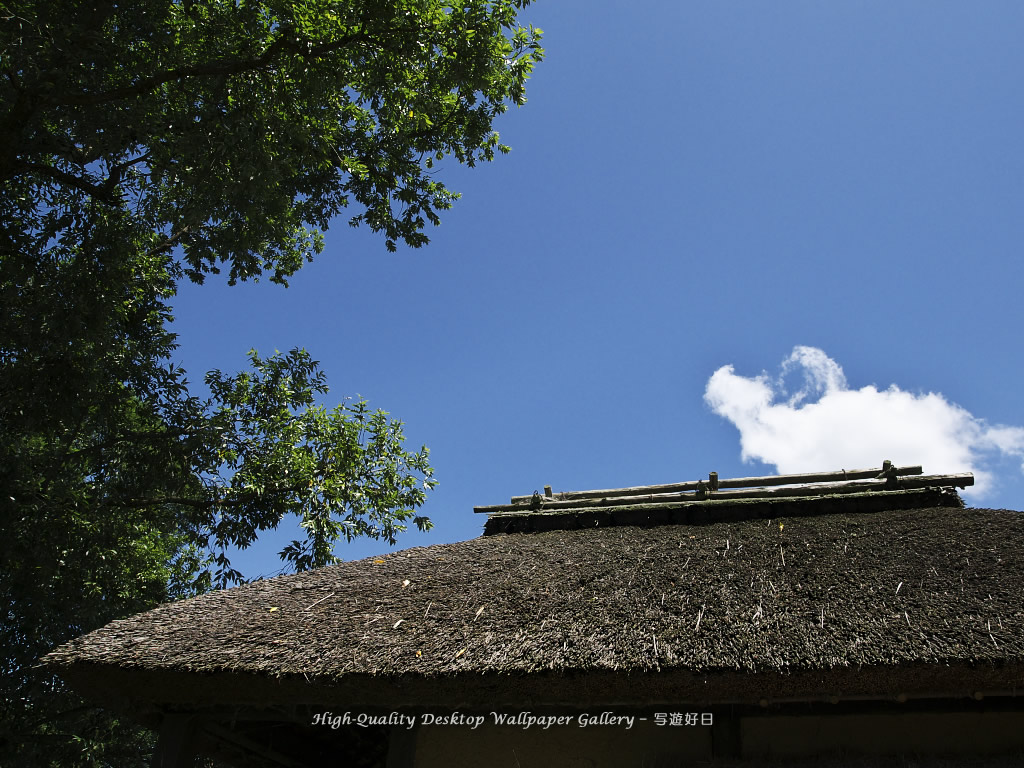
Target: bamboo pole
(738,482)
(808,489)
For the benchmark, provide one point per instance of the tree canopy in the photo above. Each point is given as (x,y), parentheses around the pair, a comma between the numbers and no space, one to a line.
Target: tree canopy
(149,142)
(237,130)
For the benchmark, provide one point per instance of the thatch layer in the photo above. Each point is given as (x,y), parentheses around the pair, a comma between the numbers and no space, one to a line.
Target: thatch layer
(801,598)
(607,512)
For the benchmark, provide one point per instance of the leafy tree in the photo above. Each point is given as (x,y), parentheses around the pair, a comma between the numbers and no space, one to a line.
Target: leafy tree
(234,130)
(148,142)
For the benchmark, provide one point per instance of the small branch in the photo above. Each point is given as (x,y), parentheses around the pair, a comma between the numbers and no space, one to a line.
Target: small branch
(170,242)
(117,171)
(313,605)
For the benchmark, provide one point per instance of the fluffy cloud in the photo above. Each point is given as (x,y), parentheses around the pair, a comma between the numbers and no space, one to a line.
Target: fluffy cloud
(826,425)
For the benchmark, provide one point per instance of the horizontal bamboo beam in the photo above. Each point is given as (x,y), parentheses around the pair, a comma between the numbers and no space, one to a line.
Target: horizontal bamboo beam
(808,489)
(856,486)
(738,482)
(817,477)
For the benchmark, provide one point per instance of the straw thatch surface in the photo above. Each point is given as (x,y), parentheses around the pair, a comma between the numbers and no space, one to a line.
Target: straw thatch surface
(596,513)
(918,602)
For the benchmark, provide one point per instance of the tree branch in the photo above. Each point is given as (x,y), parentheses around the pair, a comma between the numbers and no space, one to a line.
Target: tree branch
(128,436)
(186,501)
(305,49)
(102,192)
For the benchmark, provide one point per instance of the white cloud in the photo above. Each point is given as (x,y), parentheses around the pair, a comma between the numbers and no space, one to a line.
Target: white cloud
(826,425)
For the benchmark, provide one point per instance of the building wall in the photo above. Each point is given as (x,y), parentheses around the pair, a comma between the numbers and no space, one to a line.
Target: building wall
(644,745)
(757,740)
(946,733)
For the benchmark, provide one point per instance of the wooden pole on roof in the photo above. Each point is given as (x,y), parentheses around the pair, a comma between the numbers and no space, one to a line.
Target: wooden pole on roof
(807,489)
(738,482)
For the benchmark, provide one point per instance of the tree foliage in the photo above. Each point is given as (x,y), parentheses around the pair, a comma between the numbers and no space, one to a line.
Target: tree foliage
(149,142)
(236,130)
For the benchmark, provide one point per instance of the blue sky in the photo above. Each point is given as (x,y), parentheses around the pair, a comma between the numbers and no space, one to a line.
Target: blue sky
(693,185)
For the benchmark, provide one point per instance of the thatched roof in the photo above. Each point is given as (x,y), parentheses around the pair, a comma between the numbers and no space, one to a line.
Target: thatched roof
(914,602)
